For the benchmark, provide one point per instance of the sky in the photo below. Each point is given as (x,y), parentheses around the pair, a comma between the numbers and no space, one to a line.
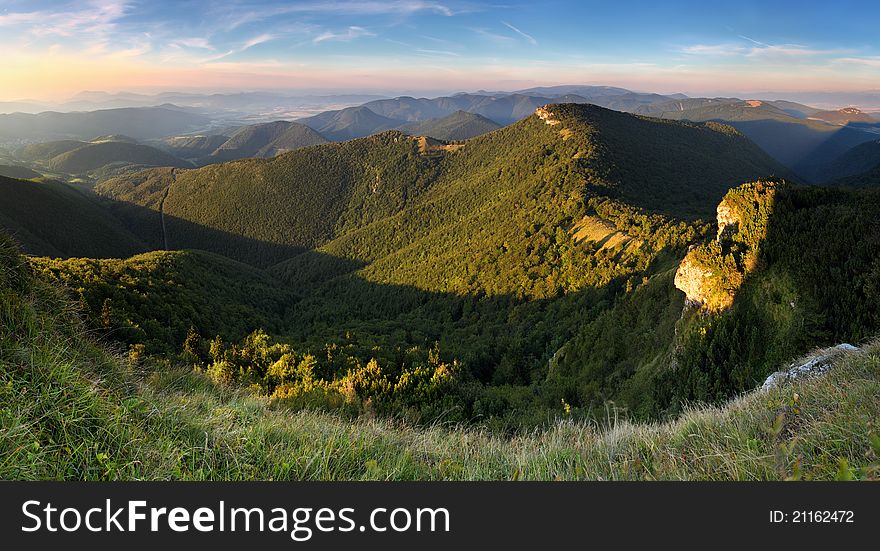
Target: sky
(50,50)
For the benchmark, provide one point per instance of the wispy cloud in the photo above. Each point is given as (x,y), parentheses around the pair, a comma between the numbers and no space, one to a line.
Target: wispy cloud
(94,17)
(346,35)
(372,8)
(437,52)
(246,45)
(435,39)
(870,61)
(753,41)
(237,17)
(527,36)
(489,35)
(757,49)
(198,43)
(713,49)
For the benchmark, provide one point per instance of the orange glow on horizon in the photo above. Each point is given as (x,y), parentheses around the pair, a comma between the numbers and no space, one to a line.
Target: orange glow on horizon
(57,77)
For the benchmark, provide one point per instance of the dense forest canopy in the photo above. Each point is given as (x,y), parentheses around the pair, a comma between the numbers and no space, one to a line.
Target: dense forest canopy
(507,279)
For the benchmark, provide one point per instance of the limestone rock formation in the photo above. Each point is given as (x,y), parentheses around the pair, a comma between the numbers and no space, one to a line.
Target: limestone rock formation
(816,365)
(692,279)
(728,221)
(711,273)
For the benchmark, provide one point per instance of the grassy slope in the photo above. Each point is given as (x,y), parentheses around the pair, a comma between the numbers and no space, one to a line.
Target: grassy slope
(71,410)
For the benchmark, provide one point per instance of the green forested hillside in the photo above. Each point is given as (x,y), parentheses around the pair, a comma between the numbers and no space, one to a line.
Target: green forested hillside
(20,172)
(266,140)
(503,280)
(264,211)
(803,145)
(47,150)
(349,123)
(72,410)
(193,147)
(155,298)
(93,156)
(871,178)
(859,160)
(56,219)
(479,259)
(813,281)
(455,127)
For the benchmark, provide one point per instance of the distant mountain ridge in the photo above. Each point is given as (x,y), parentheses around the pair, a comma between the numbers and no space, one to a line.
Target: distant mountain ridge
(266,140)
(93,156)
(352,183)
(845,116)
(803,144)
(350,123)
(458,126)
(139,123)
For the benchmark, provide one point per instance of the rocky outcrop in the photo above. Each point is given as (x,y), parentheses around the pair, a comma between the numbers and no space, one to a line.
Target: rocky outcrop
(712,273)
(817,365)
(693,279)
(545,115)
(728,220)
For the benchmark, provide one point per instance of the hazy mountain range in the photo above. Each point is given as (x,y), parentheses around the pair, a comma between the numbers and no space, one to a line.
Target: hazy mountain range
(811,142)
(511,260)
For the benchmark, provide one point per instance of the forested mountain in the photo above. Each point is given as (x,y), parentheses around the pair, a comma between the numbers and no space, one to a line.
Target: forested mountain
(847,115)
(803,138)
(70,394)
(266,140)
(505,279)
(62,220)
(472,262)
(92,156)
(455,127)
(502,108)
(21,172)
(352,122)
(193,147)
(47,150)
(804,145)
(303,199)
(138,122)
(867,179)
(155,298)
(861,159)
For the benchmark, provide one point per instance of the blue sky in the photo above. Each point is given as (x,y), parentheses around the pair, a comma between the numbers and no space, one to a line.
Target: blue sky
(53,48)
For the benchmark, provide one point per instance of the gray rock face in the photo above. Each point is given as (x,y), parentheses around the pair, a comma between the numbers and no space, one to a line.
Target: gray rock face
(816,365)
